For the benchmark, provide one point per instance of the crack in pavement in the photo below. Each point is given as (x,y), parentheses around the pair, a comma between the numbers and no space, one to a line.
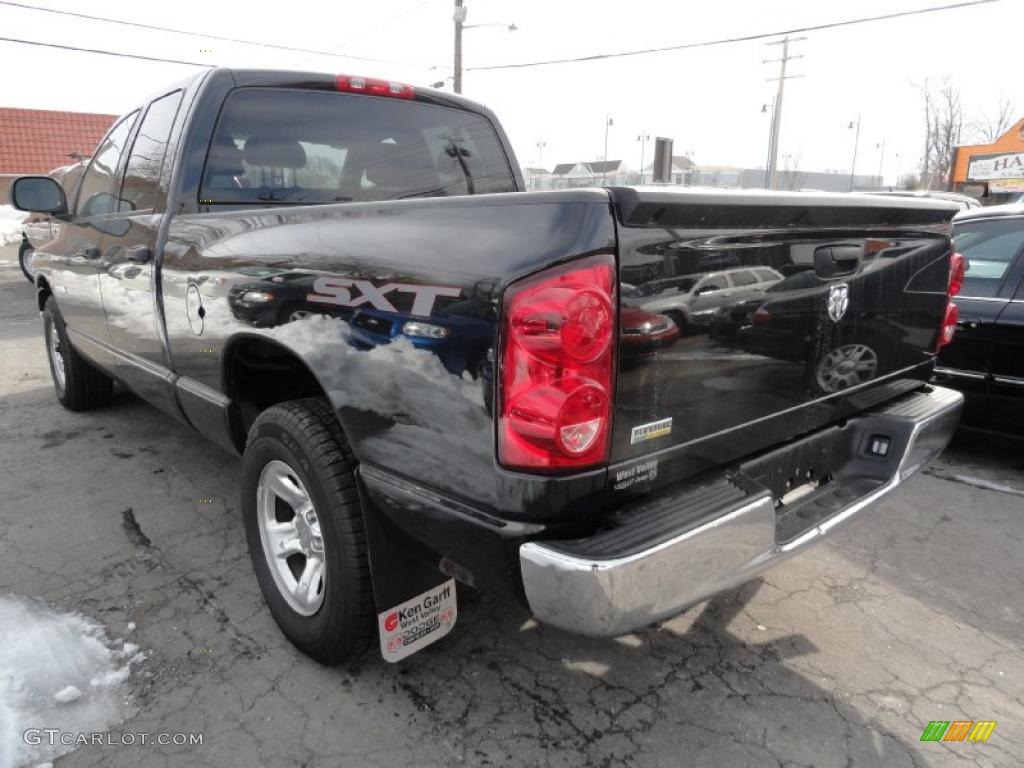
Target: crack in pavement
(974,482)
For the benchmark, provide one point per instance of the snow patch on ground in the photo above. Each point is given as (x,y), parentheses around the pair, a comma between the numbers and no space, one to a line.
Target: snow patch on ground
(10,224)
(57,670)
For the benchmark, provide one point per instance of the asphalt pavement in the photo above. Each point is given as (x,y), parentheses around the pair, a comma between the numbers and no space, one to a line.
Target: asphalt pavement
(839,657)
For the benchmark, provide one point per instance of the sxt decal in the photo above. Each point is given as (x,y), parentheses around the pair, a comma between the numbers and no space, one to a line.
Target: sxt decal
(337,290)
(417,623)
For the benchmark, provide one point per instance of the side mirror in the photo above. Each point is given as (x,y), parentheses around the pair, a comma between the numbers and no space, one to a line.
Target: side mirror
(39,194)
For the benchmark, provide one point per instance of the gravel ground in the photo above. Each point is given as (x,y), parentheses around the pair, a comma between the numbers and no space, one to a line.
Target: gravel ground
(839,657)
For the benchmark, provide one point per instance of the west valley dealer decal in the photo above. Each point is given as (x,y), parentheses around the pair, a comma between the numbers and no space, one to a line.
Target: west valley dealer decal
(338,290)
(417,623)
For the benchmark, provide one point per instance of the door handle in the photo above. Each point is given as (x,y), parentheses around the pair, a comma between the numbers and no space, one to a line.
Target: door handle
(968,323)
(89,252)
(836,260)
(140,254)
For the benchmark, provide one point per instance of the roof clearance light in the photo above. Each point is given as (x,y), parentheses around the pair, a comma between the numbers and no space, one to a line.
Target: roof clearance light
(374,87)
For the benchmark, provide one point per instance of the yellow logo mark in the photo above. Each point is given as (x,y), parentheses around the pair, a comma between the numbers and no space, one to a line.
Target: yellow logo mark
(982,730)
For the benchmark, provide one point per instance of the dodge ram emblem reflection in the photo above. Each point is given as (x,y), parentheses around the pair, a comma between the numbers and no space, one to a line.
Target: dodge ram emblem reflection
(838,301)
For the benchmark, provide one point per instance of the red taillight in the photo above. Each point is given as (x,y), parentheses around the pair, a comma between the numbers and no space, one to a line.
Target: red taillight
(949,324)
(557,367)
(957,269)
(374,87)
(761,317)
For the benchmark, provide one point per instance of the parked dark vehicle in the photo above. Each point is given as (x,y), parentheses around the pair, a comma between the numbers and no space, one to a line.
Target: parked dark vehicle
(524,452)
(986,359)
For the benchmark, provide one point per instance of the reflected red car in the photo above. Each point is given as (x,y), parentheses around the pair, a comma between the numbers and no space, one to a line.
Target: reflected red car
(644,331)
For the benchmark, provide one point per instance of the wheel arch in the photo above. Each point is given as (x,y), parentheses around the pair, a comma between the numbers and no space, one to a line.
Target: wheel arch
(283,374)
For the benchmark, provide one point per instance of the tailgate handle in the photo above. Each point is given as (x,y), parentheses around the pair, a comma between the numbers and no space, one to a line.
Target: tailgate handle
(834,260)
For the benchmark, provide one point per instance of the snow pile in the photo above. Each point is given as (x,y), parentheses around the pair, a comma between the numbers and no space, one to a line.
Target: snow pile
(10,224)
(57,670)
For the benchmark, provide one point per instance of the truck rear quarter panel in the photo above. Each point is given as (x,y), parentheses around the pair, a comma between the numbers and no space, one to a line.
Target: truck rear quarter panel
(335,285)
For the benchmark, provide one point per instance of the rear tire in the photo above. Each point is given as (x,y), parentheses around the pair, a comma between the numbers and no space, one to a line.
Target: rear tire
(24,261)
(298,474)
(79,385)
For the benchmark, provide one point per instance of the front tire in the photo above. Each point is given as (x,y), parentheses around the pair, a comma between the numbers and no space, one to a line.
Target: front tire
(305,530)
(25,253)
(79,385)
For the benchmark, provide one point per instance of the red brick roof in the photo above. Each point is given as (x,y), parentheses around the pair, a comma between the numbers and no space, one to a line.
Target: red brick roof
(39,140)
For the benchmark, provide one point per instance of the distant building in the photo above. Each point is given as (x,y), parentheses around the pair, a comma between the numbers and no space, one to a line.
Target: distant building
(39,140)
(594,173)
(993,173)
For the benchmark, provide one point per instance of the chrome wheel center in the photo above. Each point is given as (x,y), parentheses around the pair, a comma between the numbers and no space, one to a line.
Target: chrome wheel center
(56,358)
(847,366)
(292,541)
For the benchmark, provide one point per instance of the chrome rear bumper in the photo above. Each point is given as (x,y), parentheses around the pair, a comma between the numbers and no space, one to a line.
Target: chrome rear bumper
(615,593)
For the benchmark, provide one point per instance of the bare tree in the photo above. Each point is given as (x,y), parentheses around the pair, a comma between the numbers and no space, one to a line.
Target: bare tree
(944,122)
(993,125)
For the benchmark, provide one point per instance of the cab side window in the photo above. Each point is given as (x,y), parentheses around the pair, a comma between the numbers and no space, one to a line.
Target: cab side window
(96,192)
(141,188)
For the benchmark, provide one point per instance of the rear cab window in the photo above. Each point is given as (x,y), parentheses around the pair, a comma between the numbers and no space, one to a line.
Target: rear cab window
(141,187)
(274,145)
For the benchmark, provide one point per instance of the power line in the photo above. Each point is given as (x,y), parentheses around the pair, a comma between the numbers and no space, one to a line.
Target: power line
(104,53)
(741,39)
(207,36)
(370,30)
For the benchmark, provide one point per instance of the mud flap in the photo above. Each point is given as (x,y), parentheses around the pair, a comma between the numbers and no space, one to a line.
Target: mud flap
(416,602)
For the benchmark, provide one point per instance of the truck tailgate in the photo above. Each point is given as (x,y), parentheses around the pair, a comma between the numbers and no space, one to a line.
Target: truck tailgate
(788,311)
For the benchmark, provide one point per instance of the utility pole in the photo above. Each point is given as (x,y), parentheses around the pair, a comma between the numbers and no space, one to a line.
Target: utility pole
(773,150)
(459,18)
(856,144)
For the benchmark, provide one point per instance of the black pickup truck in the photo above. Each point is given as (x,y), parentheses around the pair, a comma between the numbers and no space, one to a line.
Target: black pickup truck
(432,375)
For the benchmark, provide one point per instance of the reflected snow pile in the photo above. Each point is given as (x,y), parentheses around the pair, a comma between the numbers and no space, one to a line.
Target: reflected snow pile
(10,224)
(396,380)
(57,670)
(434,411)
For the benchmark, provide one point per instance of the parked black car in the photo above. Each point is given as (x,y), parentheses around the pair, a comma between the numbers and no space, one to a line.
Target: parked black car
(986,359)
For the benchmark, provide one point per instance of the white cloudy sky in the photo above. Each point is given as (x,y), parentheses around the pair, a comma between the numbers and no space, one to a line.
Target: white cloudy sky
(709,100)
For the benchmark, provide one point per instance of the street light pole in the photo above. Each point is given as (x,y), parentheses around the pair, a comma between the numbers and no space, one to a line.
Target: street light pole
(856,144)
(773,149)
(459,18)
